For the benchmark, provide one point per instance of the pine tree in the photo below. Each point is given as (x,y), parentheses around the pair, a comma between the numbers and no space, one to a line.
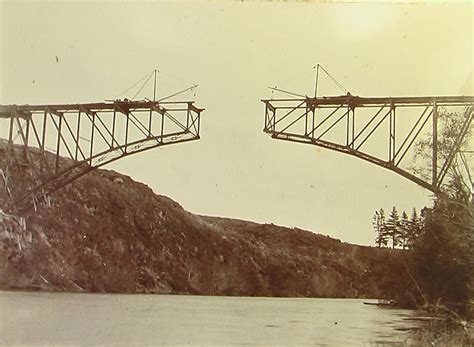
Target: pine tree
(378,221)
(405,230)
(376,225)
(379,226)
(415,228)
(392,227)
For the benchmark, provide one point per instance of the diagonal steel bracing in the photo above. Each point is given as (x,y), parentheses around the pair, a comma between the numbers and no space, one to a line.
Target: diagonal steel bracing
(335,123)
(82,137)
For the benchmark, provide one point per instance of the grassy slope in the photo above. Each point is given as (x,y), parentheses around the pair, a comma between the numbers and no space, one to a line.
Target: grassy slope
(107,233)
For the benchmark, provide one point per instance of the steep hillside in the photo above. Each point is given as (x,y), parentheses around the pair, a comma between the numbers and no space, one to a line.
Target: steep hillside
(107,233)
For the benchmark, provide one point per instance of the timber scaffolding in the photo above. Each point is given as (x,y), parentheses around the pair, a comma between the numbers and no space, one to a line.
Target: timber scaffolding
(312,120)
(87,136)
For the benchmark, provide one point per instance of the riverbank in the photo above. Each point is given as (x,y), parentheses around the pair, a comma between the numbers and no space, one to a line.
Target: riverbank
(442,331)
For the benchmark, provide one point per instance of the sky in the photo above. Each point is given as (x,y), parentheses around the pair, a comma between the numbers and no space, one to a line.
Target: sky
(234,51)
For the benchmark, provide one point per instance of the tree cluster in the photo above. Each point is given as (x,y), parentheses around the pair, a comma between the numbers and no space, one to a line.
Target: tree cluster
(397,231)
(440,242)
(442,257)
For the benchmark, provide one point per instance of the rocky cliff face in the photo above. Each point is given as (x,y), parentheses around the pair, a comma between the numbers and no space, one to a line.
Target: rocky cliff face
(107,233)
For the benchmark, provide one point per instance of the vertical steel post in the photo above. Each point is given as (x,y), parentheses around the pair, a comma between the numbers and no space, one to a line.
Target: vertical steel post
(391,136)
(42,143)
(92,139)
(126,130)
(188,114)
(434,158)
(58,143)
(162,125)
(199,123)
(43,135)
(10,134)
(353,127)
(274,118)
(265,127)
(390,123)
(347,125)
(27,135)
(394,127)
(154,100)
(113,128)
(306,120)
(78,139)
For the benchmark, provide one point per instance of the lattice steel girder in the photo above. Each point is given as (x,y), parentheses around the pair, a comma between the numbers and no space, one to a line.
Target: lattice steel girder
(87,136)
(297,120)
(358,101)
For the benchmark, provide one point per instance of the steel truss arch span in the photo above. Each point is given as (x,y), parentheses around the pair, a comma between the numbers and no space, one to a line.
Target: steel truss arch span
(332,123)
(83,137)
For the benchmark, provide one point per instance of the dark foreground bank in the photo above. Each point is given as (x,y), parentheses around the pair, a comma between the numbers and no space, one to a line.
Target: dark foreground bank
(107,233)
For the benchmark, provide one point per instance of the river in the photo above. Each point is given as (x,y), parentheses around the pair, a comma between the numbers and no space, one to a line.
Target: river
(34,318)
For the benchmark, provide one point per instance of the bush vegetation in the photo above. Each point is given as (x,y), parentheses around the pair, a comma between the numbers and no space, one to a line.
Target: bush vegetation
(440,245)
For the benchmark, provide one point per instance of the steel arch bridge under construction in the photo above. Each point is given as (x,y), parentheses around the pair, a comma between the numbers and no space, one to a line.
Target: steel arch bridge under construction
(336,123)
(83,137)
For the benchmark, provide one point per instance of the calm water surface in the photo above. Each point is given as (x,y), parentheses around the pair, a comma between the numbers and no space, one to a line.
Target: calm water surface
(96,319)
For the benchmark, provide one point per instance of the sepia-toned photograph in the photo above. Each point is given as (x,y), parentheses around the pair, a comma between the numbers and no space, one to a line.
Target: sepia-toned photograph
(229,173)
